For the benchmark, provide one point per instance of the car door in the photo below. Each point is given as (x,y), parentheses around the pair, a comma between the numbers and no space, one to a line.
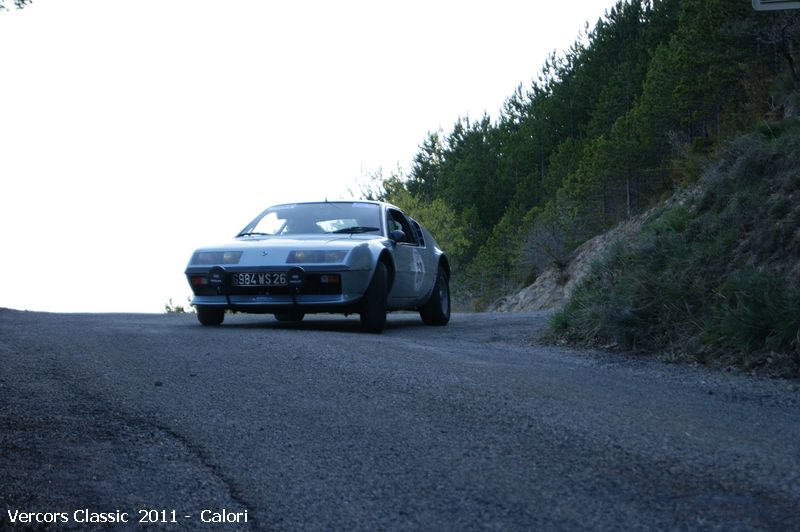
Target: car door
(409,283)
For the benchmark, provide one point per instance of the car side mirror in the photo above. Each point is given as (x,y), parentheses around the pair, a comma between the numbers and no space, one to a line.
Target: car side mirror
(397,236)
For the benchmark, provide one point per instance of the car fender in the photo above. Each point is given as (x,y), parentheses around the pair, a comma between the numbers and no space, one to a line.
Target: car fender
(387,258)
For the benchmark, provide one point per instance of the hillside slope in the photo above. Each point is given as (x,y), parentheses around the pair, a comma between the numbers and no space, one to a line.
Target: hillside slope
(711,276)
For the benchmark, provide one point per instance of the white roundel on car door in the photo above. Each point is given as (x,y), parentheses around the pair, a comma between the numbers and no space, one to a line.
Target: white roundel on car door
(419,270)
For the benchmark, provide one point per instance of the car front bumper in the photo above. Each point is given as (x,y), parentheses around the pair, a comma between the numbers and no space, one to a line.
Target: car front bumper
(311,296)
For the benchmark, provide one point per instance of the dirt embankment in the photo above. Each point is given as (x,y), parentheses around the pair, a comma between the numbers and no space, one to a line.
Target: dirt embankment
(553,286)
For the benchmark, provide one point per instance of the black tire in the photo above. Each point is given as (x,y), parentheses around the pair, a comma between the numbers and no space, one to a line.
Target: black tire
(290,315)
(210,316)
(437,310)
(373,306)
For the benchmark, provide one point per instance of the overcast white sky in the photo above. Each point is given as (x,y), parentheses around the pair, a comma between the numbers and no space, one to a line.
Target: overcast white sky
(133,131)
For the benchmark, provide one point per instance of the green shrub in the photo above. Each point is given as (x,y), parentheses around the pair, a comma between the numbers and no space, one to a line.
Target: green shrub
(706,278)
(756,312)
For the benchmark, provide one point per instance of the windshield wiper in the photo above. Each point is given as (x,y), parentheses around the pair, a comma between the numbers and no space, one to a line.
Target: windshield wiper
(357,229)
(252,233)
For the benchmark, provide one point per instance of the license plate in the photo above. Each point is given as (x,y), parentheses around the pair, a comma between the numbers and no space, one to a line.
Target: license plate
(259,279)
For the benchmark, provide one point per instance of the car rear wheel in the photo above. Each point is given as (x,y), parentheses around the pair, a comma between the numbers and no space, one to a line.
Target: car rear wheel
(373,306)
(437,310)
(290,315)
(210,315)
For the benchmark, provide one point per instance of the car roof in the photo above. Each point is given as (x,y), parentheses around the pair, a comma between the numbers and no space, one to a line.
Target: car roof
(373,202)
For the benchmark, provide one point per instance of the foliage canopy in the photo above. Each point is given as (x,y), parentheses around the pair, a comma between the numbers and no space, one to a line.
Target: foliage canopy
(618,122)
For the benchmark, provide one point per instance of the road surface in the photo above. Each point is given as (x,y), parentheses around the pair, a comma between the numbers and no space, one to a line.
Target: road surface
(106,419)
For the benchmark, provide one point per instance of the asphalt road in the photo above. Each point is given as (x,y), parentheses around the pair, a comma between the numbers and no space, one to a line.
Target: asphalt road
(318,426)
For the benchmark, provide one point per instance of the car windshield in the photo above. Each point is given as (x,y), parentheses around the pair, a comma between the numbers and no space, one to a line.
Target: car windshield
(316,218)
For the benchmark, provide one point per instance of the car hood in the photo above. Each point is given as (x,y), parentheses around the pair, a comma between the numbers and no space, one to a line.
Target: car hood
(273,251)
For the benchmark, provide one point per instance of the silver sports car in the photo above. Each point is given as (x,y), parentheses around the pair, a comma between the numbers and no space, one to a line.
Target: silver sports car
(361,257)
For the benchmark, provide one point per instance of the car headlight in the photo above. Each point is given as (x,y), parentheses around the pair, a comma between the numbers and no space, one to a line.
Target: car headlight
(207,258)
(315,256)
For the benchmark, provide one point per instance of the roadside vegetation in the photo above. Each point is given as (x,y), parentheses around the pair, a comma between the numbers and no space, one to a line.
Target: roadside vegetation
(715,276)
(177,308)
(681,105)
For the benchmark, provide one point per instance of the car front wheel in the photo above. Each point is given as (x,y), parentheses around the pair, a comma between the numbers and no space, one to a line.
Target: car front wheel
(210,315)
(437,310)
(373,306)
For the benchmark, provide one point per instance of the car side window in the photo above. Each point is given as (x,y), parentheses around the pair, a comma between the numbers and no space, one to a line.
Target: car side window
(418,232)
(396,220)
